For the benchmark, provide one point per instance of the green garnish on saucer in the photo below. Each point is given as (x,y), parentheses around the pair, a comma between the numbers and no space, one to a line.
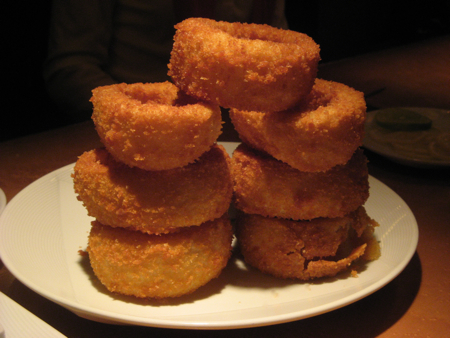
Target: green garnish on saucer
(402,119)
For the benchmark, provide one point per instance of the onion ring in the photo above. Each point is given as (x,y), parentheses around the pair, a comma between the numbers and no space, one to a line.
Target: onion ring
(153,201)
(244,66)
(159,266)
(154,126)
(322,132)
(305,249)
(271,188)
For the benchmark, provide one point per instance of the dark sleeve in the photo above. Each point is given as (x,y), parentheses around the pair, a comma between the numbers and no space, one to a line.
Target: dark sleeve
(80,36)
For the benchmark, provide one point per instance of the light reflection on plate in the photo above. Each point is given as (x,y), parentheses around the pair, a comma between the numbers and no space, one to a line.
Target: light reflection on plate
(441,124)
(44,227)
(19,322)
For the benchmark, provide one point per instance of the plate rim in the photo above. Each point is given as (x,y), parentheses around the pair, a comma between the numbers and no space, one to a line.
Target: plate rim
(374,146)
(100,315)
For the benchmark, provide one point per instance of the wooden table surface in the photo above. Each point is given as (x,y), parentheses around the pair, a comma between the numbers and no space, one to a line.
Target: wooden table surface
(414,304)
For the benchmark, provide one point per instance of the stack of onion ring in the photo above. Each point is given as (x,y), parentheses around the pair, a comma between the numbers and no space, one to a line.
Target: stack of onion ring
(152,266)
(269,187)
(154,126)
(161,188)
(320,133)
(243,66)
(154,201)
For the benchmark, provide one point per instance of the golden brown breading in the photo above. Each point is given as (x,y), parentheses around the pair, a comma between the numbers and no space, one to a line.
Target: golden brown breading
(302,249)
(154,201)
(269,187)
(159,266)
(154,126)
(244,66)
(322,132)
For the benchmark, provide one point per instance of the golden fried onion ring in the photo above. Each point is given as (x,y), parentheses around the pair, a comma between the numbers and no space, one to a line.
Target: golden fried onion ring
(154,126)
(322,132)
(153,201)
(305,249)
(271,188)
(159,266)
(244,66)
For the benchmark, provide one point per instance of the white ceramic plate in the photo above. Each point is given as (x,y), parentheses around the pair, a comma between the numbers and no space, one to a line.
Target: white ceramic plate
(441,124)
(44,226)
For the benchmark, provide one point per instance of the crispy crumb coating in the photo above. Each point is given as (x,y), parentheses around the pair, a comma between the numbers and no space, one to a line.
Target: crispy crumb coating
(244,66)
(303,249)
(271,188)
(322,132)
(153,201)
(154,126)
(159,266)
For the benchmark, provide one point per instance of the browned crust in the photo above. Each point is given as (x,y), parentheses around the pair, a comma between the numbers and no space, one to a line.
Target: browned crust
(271,188)
(154,126)
(152,266)
(244,66)
(303,249)
(154,201)
(317,135)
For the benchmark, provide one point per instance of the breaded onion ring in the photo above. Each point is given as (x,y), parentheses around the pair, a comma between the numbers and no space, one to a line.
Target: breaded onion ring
(154,126)
(322,132)
(159,266)
(244,66)
(271,188)
(303,249)
(154,201)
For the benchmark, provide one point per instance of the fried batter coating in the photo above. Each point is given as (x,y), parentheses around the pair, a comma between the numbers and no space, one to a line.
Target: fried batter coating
(322,132)
(159,266)
(271,188)
(154,201)
(154,126)
(244,66)
(302,249)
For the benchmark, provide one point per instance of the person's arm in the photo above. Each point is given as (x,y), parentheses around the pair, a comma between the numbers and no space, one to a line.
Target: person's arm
(80,35)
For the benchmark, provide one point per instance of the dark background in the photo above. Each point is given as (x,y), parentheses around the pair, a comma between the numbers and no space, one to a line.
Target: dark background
(342,28)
